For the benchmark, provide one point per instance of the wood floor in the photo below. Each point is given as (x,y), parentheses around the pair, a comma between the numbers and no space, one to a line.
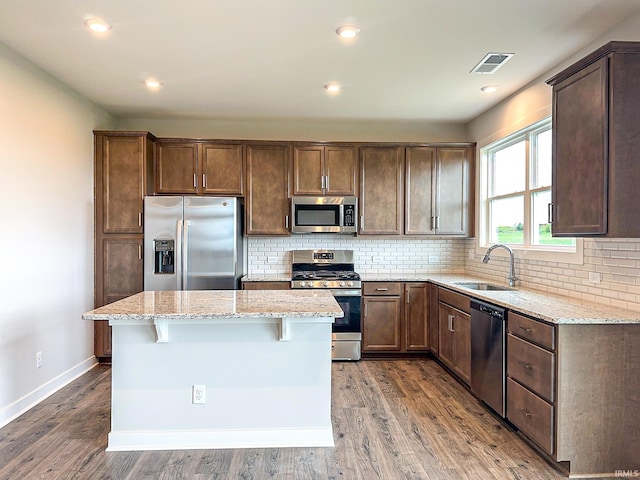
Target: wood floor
(401,419)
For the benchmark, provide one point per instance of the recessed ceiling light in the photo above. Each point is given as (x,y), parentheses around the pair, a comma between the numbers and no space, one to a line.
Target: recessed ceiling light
(152,83)
(489,88)
(348,31)
(332,87)
(96,24)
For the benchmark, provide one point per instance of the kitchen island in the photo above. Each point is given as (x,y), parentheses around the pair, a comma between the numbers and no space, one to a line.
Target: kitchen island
(220,369)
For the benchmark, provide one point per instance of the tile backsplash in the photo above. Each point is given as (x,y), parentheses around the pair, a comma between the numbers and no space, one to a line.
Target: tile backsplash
(616,260)
(372,255)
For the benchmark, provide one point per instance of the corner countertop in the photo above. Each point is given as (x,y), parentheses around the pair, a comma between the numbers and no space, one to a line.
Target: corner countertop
(212,304)
(553,308)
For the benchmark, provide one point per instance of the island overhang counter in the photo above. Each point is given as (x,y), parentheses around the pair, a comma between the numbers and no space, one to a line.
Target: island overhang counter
(263,357)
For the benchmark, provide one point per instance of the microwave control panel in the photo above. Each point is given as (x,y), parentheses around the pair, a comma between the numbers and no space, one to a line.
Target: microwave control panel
(349,216)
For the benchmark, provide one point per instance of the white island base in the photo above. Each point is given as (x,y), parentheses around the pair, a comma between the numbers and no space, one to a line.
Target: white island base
(267,379)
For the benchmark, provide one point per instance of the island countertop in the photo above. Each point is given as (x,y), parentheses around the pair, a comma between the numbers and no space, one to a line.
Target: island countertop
(200,304)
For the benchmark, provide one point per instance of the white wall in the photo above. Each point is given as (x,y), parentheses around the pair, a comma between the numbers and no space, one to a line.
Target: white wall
(46,213)
(617,260)
(301,130)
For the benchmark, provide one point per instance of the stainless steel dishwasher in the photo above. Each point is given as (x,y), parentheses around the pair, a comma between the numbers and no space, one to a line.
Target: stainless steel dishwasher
(488,363)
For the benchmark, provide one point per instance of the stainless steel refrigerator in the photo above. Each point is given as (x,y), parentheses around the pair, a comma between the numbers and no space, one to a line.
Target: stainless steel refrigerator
(192,243)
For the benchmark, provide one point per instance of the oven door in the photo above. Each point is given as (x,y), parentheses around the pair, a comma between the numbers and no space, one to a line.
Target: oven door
(347,331)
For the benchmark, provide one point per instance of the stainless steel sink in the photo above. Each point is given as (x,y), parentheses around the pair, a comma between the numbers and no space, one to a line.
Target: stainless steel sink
(482,286)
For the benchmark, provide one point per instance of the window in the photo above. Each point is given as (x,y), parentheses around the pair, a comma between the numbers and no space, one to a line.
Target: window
(516,172)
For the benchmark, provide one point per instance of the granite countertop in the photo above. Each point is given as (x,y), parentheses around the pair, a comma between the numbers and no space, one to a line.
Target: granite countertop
(546,306)
(553,308)
(201,304)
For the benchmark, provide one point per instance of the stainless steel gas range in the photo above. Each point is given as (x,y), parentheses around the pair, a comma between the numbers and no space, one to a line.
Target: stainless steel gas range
(334,270)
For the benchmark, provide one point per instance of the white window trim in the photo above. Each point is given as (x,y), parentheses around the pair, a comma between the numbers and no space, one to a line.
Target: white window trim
(531,252)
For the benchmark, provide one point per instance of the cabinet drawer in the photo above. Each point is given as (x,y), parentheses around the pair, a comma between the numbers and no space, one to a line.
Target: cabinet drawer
(382,288)
(532,366)
(532,330)
(461,302)
(531,414)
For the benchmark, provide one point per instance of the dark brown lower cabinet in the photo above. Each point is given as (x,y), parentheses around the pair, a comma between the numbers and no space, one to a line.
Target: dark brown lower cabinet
(395,317)
(266,285)
(455,333)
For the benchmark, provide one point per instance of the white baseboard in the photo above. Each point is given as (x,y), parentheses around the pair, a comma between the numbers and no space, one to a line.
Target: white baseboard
(20,406)
(193,440)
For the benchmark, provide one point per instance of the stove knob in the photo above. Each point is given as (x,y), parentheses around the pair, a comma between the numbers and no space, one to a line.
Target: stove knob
(303,284)
(310,285)
(350,284)
(326,284)
(342,284)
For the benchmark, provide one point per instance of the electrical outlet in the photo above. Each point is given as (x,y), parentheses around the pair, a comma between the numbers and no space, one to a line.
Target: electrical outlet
(38,359)
(433,259)
(272,259)
(594,277)
(199,394)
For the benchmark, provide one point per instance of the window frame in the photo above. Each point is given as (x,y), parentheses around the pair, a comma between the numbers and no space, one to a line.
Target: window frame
(556,253)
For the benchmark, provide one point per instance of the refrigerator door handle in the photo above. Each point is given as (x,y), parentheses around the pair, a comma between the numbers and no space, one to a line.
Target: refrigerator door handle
(185,253)
(178,260)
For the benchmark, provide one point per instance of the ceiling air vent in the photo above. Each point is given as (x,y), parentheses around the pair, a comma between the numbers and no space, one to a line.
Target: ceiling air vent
(491,62)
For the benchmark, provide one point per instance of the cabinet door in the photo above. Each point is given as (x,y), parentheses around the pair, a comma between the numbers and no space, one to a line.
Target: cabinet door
(266,285)
(381,191)
(308,170)
(433,319)
(122,266)
(420,191)
(101,338)
(176,167)
(340,170)
(120,181)
(453,188)
(381,324)
(445,337)
(221,169)
(462,345)
(580,153)
(416,333)
(267,190)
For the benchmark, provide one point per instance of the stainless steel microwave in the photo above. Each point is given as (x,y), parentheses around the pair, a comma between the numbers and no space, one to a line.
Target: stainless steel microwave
(324,214)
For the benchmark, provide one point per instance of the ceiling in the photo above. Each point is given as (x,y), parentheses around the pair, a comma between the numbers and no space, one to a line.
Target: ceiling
(269,59)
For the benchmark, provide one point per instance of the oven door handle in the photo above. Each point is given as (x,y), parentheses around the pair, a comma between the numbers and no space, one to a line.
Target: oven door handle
(337,292)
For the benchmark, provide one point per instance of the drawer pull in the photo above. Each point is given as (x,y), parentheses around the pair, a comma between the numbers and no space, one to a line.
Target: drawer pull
(526,329)
(524,365)
(526,413)
(381,289)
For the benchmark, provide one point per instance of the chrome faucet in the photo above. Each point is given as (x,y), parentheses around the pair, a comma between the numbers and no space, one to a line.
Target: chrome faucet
(512,272)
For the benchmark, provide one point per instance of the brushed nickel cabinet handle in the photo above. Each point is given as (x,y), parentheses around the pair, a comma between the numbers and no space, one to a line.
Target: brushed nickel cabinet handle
(195,181)
(139,252)
(550,212)
(361,223)
(326,182)
(450,322)
(204,180)
(365,309)
(437,222)
(140,219)
(286,221)
(381,289)
(526,413)
(526,329)
(433,222)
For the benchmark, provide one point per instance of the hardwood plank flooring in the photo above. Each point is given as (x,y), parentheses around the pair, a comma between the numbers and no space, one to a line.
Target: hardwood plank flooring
(392,419)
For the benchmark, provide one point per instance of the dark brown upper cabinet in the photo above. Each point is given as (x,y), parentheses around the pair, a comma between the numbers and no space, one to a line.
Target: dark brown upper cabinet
(596,140)
(381,190)
(439,190)
(324,170)
(196,168)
